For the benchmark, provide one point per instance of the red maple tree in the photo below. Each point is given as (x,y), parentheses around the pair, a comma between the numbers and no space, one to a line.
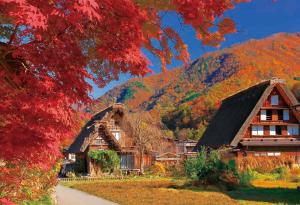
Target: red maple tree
(50,48)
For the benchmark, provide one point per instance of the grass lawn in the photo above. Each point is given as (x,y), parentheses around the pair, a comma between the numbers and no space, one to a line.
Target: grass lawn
(166,191)
(268,192)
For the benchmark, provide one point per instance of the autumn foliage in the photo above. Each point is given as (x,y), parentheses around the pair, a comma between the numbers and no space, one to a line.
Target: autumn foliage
(186,98)
(49,49)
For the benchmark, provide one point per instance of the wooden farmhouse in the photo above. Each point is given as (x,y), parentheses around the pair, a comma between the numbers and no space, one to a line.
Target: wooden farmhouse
(259,121)
(106,131)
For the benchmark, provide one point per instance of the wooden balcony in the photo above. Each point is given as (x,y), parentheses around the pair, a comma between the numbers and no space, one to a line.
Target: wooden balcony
(275,122)
(271,141)
(275,107)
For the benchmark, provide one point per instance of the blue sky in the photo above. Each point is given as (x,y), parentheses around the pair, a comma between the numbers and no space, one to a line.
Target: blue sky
(254,20)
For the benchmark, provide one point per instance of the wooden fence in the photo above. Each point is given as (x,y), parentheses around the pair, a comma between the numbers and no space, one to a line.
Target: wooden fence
(92,178)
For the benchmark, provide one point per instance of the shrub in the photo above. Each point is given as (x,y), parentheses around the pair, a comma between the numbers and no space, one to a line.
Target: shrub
(282,172)
(30,183)
(158,169)
(108,160)
(70,174)
(176,170)
(209,169)
(246,177)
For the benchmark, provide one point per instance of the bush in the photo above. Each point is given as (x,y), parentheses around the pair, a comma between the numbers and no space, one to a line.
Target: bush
(176,170)
(246,177)
(158,169)
(209,169)
(282,172)
(108,160)
(30,182)
(70,174)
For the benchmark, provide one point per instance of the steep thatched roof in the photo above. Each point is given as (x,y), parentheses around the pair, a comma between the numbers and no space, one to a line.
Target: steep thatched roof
(94,127)
(236,112)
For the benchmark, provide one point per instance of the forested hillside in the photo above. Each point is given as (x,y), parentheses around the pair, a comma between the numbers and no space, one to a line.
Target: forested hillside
(184,99)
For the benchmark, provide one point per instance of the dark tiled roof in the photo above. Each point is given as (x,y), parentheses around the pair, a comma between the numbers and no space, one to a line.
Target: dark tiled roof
(231,116)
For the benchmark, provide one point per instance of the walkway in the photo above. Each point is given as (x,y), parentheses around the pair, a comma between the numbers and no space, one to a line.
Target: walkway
(68,196)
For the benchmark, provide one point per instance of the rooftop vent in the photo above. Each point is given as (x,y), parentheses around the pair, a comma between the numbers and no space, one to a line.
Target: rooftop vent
(277,80)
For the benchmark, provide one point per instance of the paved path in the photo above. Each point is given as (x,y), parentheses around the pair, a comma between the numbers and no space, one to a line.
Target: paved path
(68,196)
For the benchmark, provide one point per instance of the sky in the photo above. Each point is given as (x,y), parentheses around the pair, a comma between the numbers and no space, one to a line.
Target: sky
(255,20)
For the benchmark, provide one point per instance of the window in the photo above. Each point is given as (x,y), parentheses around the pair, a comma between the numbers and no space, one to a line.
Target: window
(269,114)
(72,157)
(280,114)
(127,161)
(257,130)
(258,154)
(293,130)
(286,115)
(272,130)
(263,115)
(273,154)
(275,130)
(274,100)
(117,135)
(278,130)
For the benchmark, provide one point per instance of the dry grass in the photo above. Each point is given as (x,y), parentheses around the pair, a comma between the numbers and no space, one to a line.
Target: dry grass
(264,164)
(148,192)
(275,184)
(160,192)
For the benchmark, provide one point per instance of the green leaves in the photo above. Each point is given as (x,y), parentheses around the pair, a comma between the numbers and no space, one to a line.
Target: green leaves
(207,167)
(108,160)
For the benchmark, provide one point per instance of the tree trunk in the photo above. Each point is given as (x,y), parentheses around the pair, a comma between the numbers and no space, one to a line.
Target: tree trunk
(142,162)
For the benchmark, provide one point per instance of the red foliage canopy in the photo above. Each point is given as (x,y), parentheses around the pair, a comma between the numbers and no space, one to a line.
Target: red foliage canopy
(50,48)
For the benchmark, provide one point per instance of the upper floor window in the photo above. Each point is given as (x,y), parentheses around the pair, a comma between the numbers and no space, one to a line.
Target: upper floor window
(265,115)
(293,130)
(286,115)
(117,135)
(272,130)
(257,130)
(274,100)
(275,130)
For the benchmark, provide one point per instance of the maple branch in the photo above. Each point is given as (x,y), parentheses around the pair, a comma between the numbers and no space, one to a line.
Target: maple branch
(13,35)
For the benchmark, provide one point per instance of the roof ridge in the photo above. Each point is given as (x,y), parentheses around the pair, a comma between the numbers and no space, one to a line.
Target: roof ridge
(246,89)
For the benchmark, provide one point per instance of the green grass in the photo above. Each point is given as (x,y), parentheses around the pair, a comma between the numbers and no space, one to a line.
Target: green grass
(266,196)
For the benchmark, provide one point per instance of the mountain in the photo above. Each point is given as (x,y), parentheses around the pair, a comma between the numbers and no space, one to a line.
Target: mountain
(185,99)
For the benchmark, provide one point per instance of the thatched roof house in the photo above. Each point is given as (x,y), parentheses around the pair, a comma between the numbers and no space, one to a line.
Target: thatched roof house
(261,120)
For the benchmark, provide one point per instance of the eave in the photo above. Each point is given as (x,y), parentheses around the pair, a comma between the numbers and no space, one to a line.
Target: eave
(261,142)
